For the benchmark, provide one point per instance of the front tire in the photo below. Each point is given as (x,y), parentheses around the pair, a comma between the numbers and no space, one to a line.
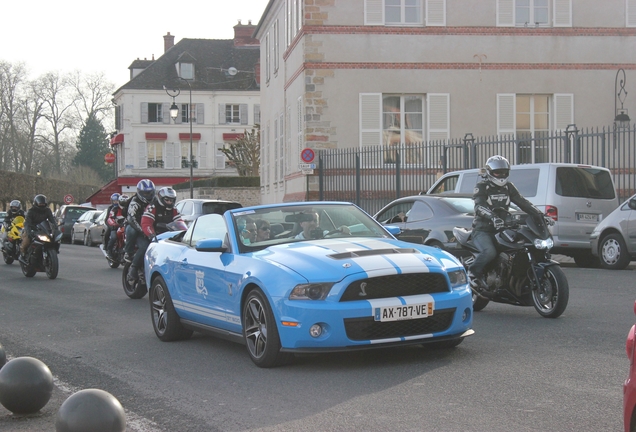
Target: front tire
(136,290)
(551,298)
(613,252)
(165,320)
(51,264)
(479,303)
(8,259)
(260,332)
(27,270)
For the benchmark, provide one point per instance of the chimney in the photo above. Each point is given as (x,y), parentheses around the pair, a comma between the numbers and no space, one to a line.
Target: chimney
(243,35)
(168,42)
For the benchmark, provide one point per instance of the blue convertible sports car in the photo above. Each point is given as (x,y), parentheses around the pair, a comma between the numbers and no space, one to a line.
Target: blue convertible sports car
(304,277)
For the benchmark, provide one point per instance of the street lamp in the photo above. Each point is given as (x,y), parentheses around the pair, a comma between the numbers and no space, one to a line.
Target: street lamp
(174,113)
(621,119)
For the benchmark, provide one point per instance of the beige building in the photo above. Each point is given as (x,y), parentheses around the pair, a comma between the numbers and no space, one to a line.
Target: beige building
(355,73)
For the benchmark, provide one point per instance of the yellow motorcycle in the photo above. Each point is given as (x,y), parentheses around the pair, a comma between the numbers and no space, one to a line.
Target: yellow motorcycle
(11,239)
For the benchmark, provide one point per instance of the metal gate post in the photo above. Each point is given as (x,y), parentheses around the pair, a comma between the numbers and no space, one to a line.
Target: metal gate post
(469,143)
(321,179)
(574,142)
(358,179)
(398,186)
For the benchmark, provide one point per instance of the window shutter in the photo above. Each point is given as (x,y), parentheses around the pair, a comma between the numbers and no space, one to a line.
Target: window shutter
(203,155)
(243,113)
(200,113)
(373,12)
(563,110)
(370,119)
(169,158)
(142,155)
(506,114)
(630,13)
(436,12)
(144,112)
(129,158)
(257,114)
(562,13)
(176,155)
(505,13)
(438,113)
(165,112)
(222,114)
(219,157)
(117,118)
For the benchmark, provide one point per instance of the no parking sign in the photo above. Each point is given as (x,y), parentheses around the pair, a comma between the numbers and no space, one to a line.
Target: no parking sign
(68,199)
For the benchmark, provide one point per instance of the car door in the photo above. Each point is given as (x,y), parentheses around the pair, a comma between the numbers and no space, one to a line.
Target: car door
(630,229)
(201,278)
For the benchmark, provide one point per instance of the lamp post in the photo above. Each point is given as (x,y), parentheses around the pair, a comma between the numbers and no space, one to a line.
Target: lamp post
(174,113)
(621,119)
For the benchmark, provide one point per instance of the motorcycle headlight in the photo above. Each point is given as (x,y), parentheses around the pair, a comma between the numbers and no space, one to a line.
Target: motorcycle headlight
(457,278)
(43,238)
(315,291)
(543,244)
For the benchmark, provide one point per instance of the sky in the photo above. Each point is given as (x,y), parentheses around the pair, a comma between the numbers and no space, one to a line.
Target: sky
(106,36)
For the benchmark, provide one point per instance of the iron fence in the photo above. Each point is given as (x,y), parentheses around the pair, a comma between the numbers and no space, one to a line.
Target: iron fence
(372,177)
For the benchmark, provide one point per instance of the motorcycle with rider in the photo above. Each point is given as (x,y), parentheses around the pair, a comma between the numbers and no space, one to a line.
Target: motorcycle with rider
(40,242)
(11,232)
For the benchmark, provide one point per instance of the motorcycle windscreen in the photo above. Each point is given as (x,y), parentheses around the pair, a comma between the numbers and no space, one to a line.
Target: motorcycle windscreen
(538,226)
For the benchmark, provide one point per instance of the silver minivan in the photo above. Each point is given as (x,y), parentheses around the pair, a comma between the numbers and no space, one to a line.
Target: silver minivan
(577,197)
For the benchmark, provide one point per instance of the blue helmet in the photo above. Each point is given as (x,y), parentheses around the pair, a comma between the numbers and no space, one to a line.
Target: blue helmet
(146,190)
(114,199)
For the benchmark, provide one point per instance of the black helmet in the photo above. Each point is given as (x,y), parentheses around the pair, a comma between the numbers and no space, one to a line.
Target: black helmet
(14,206)
(39,201)
(497,170)
(146,190)
(166,197)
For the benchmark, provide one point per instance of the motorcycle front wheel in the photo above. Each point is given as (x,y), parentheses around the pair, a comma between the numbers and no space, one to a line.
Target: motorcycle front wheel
(8,259)
(51,263)
(551,297)
(134,290)
(27,270)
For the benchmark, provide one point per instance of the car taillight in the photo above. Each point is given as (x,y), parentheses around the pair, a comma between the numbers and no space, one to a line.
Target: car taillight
(552,212)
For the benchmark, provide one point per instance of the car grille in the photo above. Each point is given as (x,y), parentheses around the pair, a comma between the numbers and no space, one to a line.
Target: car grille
(368,329)
(395,286)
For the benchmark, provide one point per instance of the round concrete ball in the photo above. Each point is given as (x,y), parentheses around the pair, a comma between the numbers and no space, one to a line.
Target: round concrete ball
(91,410)
(26,385)
(3,356)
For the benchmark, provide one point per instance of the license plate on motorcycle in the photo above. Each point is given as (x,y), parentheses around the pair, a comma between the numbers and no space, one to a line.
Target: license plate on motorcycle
(587,217)
(403,312)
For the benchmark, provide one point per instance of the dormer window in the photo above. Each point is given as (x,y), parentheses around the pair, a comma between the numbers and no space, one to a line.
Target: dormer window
(185,70)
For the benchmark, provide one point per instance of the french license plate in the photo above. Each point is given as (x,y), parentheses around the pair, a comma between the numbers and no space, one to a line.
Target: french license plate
(403,312)
(587,217)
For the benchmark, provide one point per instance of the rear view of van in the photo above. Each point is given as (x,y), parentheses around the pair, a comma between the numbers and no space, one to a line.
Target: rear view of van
(577,197)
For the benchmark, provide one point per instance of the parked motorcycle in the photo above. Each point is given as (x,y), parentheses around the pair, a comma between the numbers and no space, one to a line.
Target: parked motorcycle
(139,289)
(523,273)
(117,254)
(41,255)
(11,246)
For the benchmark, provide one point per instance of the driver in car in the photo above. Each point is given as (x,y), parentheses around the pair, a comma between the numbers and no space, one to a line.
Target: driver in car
(309,222)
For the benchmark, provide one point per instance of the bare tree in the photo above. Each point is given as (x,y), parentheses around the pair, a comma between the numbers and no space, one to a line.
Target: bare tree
(60,99)
(245,153)
(93,95)
(12,78)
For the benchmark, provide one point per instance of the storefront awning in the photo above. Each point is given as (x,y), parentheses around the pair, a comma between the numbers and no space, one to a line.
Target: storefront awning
(232,136)
(117,139)
(186,136)
(156,136)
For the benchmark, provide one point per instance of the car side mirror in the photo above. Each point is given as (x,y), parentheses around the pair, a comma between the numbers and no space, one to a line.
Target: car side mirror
(394,230)
(632,203)
(210,245)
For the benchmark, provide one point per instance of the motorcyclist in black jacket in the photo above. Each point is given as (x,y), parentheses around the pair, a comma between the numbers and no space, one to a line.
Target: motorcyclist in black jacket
(138,203)
(492,193)
(36,214)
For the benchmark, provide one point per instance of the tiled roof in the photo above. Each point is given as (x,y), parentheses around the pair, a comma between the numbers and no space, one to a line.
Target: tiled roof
(211,57)
(140,64)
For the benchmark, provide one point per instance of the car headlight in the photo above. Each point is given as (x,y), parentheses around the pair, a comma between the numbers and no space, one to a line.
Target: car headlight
(543,244)
(43,238)
(457,278)
(315,291)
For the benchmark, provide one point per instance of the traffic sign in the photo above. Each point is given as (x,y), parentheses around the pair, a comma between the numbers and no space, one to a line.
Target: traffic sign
(68,199)
(307,166)
(307,155)
(109,157)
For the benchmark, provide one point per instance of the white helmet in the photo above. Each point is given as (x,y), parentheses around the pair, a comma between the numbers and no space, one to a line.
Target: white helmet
(497,170)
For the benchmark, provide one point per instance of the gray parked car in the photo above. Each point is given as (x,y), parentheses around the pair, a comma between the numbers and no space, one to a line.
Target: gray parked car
(79,232)
(614,238)
(191,209)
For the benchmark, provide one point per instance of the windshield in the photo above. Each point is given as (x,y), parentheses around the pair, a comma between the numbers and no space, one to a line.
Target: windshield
(266,226)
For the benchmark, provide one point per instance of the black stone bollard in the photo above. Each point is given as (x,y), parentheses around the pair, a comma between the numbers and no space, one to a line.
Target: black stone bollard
(26,385)
(91,410)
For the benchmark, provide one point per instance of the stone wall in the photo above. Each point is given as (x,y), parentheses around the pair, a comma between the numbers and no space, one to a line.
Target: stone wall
(247,196)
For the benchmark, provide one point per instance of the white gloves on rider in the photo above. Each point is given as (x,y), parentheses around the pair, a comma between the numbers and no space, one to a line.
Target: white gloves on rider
(548,220)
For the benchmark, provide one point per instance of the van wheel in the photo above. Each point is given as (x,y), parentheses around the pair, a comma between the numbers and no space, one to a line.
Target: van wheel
(586,260)
(613,252)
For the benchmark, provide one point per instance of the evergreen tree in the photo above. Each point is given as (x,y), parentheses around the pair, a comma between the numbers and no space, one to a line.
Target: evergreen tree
(92,145)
